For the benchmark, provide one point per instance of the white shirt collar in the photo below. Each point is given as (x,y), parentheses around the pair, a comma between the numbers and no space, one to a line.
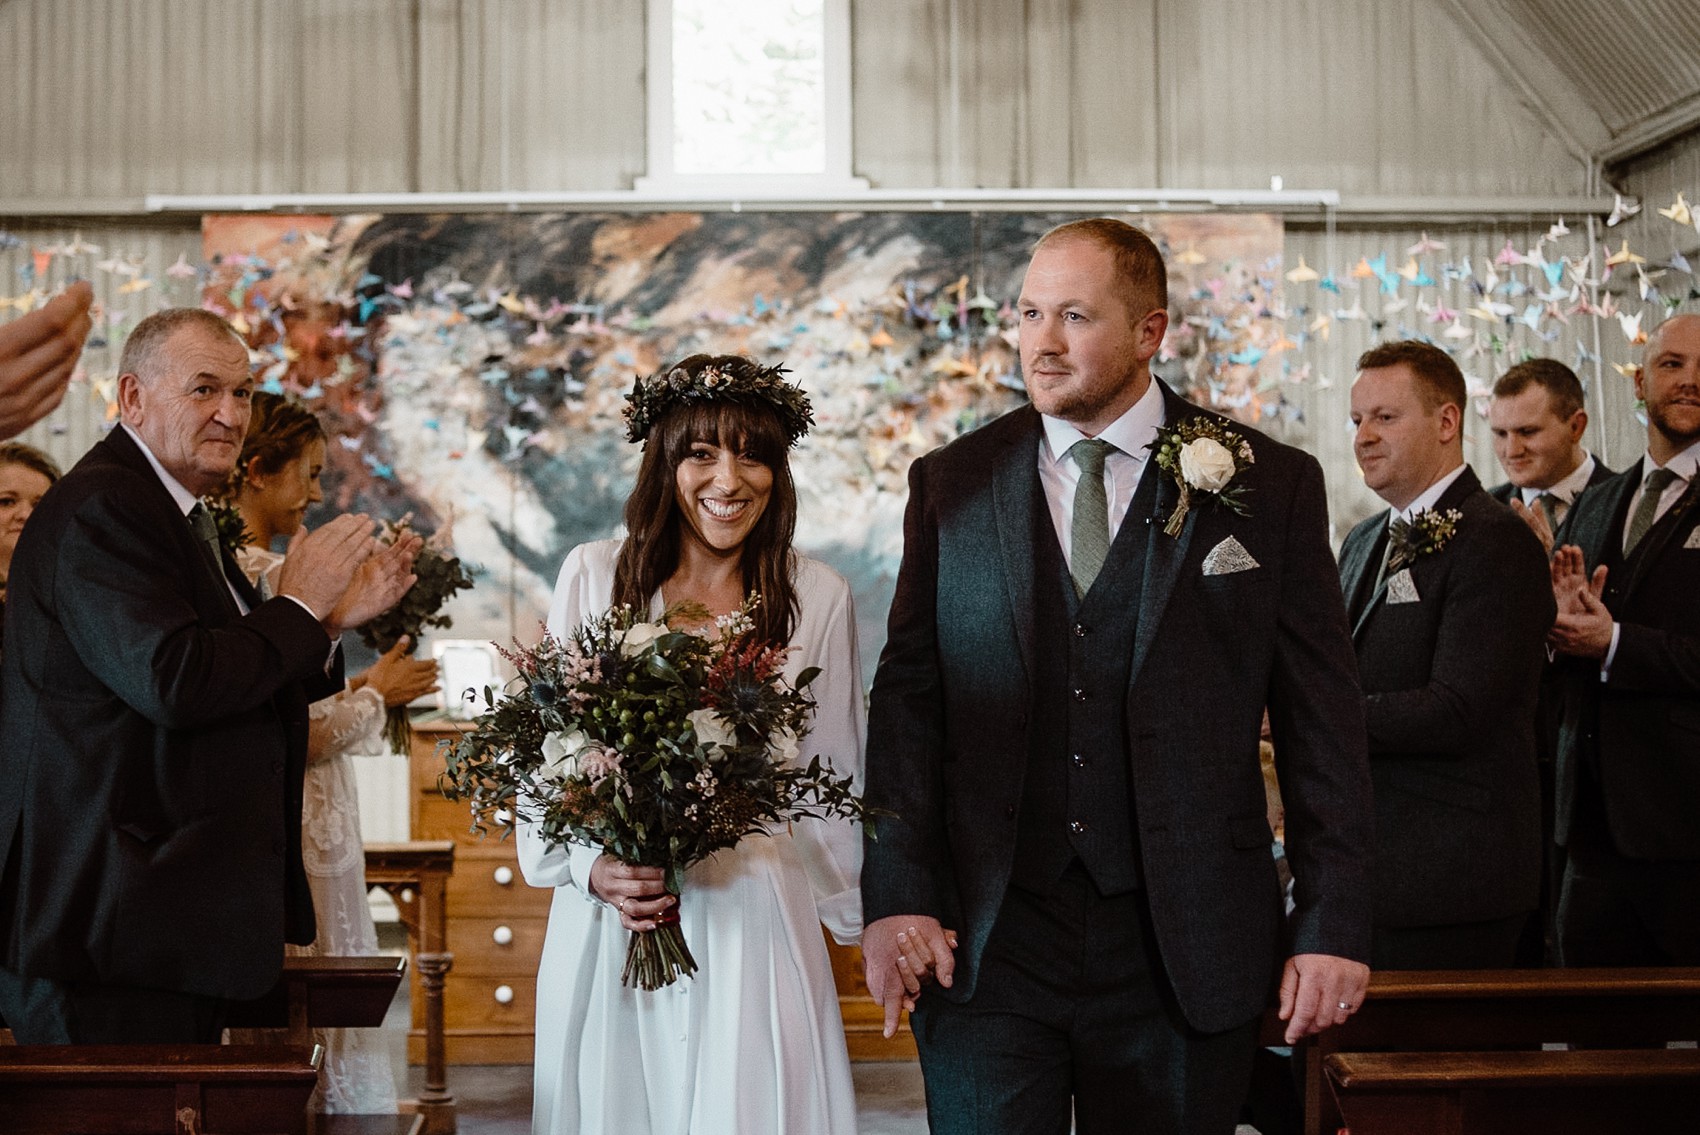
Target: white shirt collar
(184,498)
(1133,433)
(1683,464)
(1428,497)
(1567,487)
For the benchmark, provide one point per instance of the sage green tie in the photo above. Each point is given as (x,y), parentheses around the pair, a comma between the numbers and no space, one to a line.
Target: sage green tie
(1548,504)
(1651,490)
(206,531)
(1090,542)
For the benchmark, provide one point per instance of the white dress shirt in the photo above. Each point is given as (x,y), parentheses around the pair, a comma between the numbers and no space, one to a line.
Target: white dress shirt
(1565,490)
(1132,434)
(1427,498)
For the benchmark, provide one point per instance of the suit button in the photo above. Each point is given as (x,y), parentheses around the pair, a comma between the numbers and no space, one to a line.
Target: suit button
(1079,760)
(1079,694)
(1009,812)
(1076,827)
(1080,630)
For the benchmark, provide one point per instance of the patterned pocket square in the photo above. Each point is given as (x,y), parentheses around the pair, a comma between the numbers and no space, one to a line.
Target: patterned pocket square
(1401,588)
(1228,557)
(1693,540)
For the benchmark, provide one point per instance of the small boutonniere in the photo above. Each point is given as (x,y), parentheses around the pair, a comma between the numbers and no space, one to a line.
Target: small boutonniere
(1426,533)
(227,518)
(1202,456)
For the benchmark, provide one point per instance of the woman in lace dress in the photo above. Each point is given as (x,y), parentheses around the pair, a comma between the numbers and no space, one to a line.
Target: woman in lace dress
(754,1041)
(277,480)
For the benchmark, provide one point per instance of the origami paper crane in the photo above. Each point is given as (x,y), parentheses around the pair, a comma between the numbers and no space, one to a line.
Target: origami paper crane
(1622,210)
(1304,273)
(1678,212)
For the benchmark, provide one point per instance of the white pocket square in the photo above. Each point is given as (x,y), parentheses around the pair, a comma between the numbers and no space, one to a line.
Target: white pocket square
(1693,540)
(1228,557)
(1401,588)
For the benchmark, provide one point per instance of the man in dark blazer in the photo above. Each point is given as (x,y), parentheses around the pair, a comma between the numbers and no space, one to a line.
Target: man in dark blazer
(1064,726)
(1449,617)
(153,736)
(1628,588)
(1537,420)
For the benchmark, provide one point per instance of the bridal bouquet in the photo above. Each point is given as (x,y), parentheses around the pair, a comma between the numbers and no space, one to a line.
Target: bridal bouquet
(439,575)
(659,746)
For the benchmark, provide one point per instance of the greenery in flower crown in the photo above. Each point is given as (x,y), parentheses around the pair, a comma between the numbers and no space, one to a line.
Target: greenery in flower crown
(658,746)
(738,380)
(227,518)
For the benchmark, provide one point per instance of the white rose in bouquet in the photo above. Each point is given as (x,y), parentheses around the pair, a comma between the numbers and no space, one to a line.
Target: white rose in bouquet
(640,635)
(711,729)
(560,753)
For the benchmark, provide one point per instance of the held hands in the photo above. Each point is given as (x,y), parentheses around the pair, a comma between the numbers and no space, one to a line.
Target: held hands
(398,678)
(1319,991)
(1584,625)
(638,894)
(38,351)
(899,953)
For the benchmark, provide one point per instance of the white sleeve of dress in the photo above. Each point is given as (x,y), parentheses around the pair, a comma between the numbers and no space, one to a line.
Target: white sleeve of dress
(346,723)
(580,590)
(831,850)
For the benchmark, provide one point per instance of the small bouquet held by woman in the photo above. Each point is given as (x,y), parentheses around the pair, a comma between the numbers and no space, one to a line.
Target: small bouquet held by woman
(659,746)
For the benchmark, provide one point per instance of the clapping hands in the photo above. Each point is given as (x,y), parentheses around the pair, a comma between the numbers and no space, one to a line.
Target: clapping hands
(1584,625)
(344,575)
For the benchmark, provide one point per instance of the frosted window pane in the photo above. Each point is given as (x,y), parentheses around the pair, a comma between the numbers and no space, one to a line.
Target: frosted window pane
(749,86)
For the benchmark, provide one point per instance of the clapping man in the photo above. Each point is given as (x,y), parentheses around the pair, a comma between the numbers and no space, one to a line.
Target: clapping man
(1628,589)
(1446,592)
(1537,421)
(153,734)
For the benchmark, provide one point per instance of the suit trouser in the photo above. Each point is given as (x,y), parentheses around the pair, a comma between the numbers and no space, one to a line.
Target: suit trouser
(1072,1007)
(44,1011)
(1616,911)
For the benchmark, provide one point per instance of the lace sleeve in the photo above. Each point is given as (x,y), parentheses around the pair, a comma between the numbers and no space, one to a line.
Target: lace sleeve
(345,723)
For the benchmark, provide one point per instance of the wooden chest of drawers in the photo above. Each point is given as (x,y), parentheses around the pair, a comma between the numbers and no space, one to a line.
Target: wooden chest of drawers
(495,931)
(495,925)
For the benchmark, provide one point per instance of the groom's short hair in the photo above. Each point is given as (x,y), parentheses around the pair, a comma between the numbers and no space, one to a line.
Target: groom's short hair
(1138,260)
(1439,380)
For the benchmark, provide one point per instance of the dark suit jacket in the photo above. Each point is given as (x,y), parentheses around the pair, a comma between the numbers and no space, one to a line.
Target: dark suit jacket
(947,733)
(152,748)
(1450,683)
(1643,723)
(1503,492)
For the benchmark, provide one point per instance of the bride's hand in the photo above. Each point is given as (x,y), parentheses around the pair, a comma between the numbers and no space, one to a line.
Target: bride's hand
(638,894)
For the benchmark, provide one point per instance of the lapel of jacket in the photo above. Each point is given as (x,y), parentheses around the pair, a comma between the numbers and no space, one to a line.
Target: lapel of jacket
(1164,554)
(1658,536)
(1357,563)
(1015,499)
(1454,496)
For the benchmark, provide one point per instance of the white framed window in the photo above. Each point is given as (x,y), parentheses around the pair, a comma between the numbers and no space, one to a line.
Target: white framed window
(749,96)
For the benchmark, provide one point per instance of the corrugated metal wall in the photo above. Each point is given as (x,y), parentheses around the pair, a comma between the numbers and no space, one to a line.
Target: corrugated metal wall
(1632,59)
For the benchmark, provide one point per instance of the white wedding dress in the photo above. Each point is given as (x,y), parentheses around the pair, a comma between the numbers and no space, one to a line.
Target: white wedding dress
(357,1074)
(753,1042)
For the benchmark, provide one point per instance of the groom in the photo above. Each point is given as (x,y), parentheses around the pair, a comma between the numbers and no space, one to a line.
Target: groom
(1065,724)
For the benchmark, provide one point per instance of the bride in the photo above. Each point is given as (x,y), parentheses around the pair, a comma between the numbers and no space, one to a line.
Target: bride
(754,1041)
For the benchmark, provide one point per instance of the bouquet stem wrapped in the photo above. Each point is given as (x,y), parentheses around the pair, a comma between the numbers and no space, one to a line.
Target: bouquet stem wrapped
(658,746)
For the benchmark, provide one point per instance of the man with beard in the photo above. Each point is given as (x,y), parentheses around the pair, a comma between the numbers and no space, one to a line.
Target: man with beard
(1628,592)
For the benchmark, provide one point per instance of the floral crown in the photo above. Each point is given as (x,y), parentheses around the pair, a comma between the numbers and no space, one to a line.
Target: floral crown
(741,381)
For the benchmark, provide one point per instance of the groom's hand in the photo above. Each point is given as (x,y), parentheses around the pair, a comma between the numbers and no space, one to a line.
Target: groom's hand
(1318,991)
(898,953)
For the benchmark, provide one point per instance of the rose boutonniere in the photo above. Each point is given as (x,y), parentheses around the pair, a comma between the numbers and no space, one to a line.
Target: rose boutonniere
(1426,533)
(1203,456)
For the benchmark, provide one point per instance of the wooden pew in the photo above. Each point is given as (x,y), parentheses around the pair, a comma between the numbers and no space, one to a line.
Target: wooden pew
(1464,1010)
(1517,1093)
(156,1089)
(324,993)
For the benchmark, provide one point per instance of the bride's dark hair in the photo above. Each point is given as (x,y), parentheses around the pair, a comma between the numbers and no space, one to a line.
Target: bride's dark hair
(650,554)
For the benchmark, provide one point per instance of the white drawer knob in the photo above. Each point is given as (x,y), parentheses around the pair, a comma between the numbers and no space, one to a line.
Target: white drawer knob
(503,935)
(504,876)
(504,995)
